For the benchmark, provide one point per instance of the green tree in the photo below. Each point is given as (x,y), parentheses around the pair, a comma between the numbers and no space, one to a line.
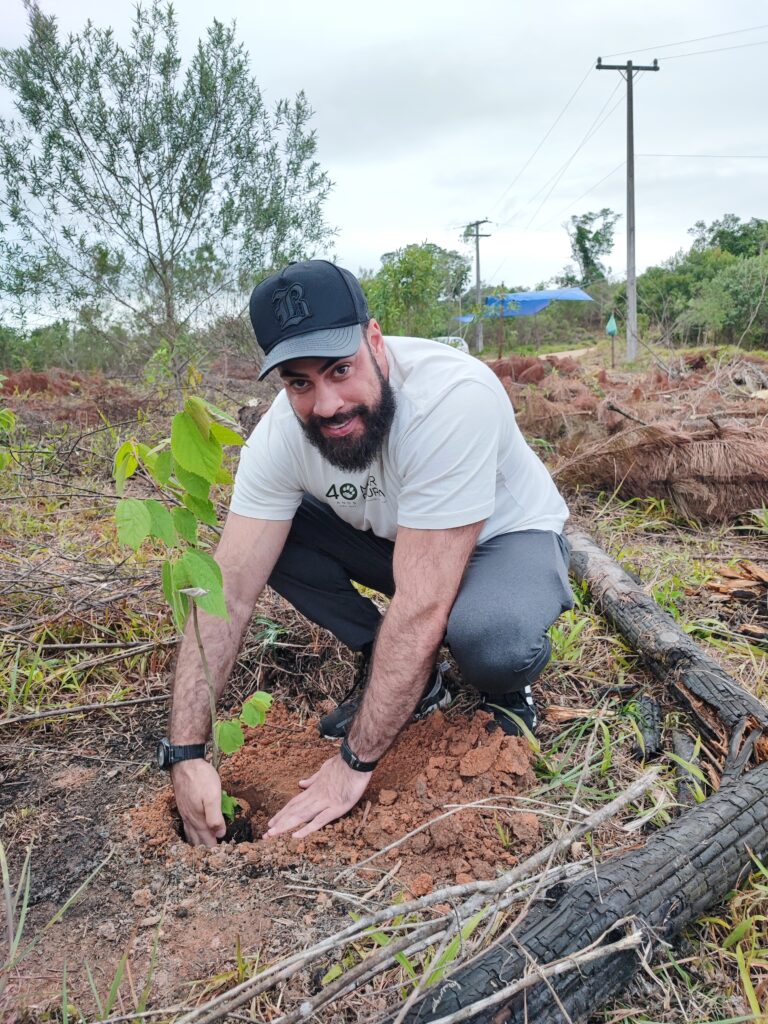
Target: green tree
(147,190)
(732,235)
(734,304)
(665,292)
(591,236)
(416,290)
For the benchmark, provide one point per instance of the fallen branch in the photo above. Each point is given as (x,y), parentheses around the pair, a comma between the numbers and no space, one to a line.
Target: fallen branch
(474,895)
(80,708)
(681,872)
(714,698)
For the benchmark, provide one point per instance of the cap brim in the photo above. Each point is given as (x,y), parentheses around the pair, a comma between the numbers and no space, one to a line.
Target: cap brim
(336,343)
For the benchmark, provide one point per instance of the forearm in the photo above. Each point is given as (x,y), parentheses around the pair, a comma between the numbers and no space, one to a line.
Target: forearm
(247,553)
(190,720)
(403,658)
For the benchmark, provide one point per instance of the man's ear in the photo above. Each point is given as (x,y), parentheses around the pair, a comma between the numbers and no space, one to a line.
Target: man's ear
(375,337)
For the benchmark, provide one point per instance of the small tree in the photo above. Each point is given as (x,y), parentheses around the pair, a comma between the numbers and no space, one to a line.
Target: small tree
(415,289)
(591,236)
(150,191)
(184,468)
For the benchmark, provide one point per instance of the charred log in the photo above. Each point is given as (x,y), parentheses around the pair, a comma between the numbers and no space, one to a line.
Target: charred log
(680,873)
(659,889)
(714,698)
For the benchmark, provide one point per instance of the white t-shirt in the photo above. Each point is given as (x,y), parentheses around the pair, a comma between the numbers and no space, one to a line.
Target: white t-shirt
(454,455)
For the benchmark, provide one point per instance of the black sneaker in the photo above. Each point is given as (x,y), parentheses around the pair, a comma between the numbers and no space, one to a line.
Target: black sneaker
(510,709)
(334,725)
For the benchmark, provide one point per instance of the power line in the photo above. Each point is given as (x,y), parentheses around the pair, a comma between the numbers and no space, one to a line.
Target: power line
(628,71)
(719,49)
(684,42)
(543,139)
(590,132)
(562,169)
(711,156)
(570,206)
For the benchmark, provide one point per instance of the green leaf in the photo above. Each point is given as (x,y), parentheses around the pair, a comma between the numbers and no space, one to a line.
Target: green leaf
(224,435)
(219,413)
(204,510)
(134,522)
(178,602)
(125,466)
(201,570)
(7,420)
(254,711)
(224,476)
(195,407)
(335,972)
(229,736)
(162,525)
(738,933)
(193,483)
(163,467)
(185,524)
(229,805)
(191,450)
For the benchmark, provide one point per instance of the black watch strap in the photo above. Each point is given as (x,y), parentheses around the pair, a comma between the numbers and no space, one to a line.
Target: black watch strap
(169,754)
(354,761)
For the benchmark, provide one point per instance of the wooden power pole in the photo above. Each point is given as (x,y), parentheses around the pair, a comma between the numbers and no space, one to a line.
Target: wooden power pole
(628,72)
(469,231)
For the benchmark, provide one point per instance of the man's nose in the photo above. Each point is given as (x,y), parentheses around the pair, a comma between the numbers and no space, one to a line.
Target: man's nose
(327,400)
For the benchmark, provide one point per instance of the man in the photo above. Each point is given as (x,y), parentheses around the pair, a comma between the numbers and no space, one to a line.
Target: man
(396,463)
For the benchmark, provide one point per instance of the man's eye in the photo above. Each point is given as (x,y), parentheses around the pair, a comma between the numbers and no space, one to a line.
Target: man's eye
(342,371)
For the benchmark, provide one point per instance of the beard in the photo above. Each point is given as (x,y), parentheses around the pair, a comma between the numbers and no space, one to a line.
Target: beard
(354,454)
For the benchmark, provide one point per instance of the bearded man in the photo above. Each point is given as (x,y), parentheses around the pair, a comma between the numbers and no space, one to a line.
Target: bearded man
(396,463)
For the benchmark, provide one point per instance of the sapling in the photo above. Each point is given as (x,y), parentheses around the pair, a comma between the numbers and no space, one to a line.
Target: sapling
(183,469)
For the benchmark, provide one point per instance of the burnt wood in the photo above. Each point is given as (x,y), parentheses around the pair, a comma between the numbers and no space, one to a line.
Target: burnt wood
(676,877)
(718,703)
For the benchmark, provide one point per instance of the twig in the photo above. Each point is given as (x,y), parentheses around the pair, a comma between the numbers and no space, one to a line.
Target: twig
(573,962)
(126,645)
(104,706)
(220,1006)
(623,412)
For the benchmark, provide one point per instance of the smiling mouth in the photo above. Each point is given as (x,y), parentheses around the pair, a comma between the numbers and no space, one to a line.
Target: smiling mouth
(339,429)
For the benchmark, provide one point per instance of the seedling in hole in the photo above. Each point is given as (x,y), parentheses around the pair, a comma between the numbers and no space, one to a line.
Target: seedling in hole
(184,468)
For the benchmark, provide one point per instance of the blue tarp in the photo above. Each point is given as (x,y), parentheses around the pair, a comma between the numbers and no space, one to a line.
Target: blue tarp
(528,303)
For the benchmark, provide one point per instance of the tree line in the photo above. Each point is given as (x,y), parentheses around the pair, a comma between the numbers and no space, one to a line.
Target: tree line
(141,197)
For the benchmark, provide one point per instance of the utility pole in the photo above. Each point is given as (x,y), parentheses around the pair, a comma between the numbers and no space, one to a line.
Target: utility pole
(628,72)
(474,227)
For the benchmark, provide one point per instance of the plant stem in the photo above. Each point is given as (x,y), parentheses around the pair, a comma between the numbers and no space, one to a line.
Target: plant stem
(215,753)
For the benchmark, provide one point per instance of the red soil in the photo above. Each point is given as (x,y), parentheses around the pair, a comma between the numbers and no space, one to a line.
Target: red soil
(434,763)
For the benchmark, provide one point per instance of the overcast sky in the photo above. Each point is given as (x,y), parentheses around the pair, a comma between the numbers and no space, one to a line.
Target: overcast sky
(427,113)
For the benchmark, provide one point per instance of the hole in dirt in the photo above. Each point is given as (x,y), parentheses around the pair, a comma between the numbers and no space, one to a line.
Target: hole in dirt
(241,830)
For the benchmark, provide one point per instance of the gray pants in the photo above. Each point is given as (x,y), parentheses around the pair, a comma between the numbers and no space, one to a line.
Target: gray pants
(514,588)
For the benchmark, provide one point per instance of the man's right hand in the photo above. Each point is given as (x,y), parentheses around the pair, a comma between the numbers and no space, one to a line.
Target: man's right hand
(197,787)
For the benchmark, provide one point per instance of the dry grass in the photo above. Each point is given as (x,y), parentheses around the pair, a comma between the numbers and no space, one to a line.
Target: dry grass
(709,471)
(63,582)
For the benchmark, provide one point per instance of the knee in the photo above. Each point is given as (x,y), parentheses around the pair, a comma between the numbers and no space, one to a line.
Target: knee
(500,661)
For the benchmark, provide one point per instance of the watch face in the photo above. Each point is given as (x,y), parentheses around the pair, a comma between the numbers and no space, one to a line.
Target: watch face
(163,754)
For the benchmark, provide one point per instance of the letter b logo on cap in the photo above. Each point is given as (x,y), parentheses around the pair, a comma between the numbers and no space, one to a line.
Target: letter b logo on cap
(290,306)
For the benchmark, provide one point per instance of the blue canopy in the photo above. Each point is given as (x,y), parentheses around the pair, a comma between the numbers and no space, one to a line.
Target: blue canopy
(528,303)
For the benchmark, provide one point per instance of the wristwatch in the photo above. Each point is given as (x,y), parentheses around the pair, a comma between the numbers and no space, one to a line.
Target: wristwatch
(168,754)
(354,761)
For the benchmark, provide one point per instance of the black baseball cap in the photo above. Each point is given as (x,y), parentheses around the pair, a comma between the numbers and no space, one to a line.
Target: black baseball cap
(312,308)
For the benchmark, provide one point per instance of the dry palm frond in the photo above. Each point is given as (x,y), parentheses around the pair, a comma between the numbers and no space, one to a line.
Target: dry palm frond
(709,471)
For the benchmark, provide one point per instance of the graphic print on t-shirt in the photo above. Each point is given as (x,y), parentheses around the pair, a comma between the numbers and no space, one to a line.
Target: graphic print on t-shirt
(347,494)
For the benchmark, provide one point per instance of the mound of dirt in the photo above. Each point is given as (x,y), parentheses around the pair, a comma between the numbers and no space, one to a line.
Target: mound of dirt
(435,763)
(68,397)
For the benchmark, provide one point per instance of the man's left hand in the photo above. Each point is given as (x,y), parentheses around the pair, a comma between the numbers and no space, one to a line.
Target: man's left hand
(328,794)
